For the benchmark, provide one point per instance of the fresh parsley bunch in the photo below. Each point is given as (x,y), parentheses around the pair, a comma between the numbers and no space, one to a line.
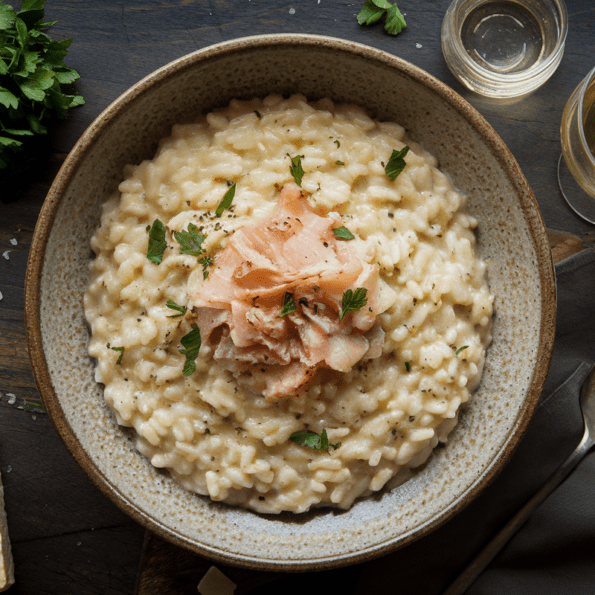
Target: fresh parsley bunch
(32,75)
(373,10)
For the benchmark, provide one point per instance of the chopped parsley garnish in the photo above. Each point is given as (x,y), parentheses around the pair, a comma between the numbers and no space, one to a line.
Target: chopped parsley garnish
(353,300)
(313,440)
(226,200)
(191,342)
(190,241)
(396,163)
(157,243)
(295,169)
(206,262)
(461,349)
(342,233)
(339,163)
(337,143)
(407,366)
(288,304)
(395,22)
(171,304)
(121,350)
(373,10)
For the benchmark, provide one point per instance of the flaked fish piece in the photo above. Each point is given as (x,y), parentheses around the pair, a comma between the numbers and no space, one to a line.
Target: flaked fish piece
(293,252)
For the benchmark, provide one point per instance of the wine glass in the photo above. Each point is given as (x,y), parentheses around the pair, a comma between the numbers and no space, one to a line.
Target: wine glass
(576,166)
(504,48)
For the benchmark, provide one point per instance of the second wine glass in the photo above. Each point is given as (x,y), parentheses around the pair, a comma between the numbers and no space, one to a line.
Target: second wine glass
(576,166)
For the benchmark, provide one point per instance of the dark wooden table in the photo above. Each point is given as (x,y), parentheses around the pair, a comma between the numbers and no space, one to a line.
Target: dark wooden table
(66,536)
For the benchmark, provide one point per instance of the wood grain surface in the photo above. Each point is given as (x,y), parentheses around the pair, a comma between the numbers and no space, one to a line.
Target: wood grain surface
(66,536)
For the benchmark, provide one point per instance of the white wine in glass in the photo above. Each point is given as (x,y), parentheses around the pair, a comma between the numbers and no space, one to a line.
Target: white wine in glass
(576,166)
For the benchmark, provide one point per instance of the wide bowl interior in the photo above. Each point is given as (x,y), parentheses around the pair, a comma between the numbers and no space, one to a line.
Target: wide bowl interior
(511,237)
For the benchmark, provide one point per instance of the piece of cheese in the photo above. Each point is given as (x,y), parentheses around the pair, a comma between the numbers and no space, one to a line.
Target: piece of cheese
(214,582)
(6,565)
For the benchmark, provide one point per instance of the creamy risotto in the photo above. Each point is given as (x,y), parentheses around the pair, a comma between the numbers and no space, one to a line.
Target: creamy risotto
(281,341)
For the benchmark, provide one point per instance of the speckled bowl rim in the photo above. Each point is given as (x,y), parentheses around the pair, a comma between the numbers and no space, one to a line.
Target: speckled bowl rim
(69,168)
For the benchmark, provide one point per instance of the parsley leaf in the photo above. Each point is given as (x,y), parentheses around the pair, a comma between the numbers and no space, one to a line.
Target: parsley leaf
(337,143)
(295,169)
(339,163)
(373,10)
(206,262)
(226,200)
(171,304)
(288,304)
(32,75)
(7,15)
(407,366)
(461,349)
(370,13)
(313,440)
(190,241)
(353,300)
(395,22)
(342,233)
(385,4)
(121,350)
(396,163)
(157,243)
(191,342)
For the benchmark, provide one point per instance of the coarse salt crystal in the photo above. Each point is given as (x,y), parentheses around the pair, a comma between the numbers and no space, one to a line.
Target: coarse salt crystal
(13,241)
(11,398)
(9,469)
(418,45)
(1,295)
(6,253)
(292,11)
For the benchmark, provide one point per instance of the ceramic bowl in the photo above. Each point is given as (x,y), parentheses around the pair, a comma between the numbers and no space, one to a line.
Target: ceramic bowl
(511,236)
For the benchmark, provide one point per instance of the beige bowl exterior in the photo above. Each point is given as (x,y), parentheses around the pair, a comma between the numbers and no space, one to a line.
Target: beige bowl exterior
(511,237)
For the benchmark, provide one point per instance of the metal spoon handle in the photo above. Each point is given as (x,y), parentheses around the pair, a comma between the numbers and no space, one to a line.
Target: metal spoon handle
(491,550)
